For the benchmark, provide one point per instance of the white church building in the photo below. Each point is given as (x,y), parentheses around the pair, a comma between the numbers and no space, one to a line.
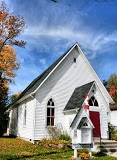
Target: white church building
(57,97)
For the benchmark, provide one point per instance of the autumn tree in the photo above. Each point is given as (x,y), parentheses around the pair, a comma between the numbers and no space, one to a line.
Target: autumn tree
(112,80)
(8,63)
(11,26)
(113,93)
(14,97)
(112,83)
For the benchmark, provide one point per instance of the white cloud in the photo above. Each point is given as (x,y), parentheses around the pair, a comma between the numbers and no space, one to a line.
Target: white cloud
(93,42)
(42,61)
(111,37)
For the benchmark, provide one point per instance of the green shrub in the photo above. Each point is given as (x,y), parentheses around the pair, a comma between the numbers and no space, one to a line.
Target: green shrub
(112,132)
(56,133)
(65,137)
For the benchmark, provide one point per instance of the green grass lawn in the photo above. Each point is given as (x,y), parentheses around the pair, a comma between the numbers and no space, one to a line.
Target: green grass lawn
(14,148)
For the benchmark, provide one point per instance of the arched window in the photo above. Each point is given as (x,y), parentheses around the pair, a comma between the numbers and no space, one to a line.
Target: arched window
(93,102)
(50,102)
(50,112)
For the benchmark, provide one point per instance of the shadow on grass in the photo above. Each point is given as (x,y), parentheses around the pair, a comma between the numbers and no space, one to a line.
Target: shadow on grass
(7,136)
(99,154)
(13,157)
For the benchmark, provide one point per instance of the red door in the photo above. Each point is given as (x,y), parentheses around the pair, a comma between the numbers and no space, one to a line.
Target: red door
(95,118)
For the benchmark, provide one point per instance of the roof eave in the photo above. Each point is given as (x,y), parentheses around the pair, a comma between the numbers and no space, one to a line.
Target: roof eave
(22,99)
(71,110)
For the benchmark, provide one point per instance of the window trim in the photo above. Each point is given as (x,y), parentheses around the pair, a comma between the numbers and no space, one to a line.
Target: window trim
(93,102)
(50,105)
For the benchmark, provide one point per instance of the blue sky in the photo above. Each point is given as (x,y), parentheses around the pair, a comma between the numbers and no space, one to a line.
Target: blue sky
(52,28)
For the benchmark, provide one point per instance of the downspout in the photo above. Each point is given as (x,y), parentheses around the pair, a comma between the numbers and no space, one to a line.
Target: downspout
(34,116)
(9,123)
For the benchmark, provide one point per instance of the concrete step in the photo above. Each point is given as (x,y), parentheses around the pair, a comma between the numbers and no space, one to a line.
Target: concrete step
(106,145)
(105,150)
(105,141)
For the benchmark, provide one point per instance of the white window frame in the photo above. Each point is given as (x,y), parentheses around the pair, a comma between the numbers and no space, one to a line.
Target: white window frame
(93,101)
(50,106)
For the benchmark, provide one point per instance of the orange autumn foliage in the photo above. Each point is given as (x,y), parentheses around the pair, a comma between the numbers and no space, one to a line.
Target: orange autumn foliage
(15,96)
(113,90)
(11,26)
(113,93)
(8,62)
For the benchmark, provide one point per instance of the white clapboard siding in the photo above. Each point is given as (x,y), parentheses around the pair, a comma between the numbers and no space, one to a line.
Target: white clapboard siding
(103,114)
(101,86)
(40,117)
(114,118)
(68,118)
(60,86)
(13,122)
(26,131)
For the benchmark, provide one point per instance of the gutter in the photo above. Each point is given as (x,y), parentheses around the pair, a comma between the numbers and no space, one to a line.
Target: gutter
(23,98)
(20,100)
(71,110)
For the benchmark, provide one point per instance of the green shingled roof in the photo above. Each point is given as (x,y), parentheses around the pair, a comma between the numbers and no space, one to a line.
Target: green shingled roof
(78,96)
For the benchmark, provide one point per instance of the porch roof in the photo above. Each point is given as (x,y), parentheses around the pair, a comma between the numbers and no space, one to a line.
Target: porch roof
(78,96)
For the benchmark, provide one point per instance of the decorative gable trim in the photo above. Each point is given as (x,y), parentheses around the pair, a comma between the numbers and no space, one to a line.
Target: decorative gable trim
(107,104)
(81,115)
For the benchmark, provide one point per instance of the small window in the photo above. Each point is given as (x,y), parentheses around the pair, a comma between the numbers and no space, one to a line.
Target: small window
(93,101)
(25,115)
(85,124)
(74,60)
(50,113)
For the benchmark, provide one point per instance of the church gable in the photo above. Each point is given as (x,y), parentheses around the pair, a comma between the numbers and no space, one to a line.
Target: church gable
(81,118)
(85,122)
(83,68)
(37,82)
